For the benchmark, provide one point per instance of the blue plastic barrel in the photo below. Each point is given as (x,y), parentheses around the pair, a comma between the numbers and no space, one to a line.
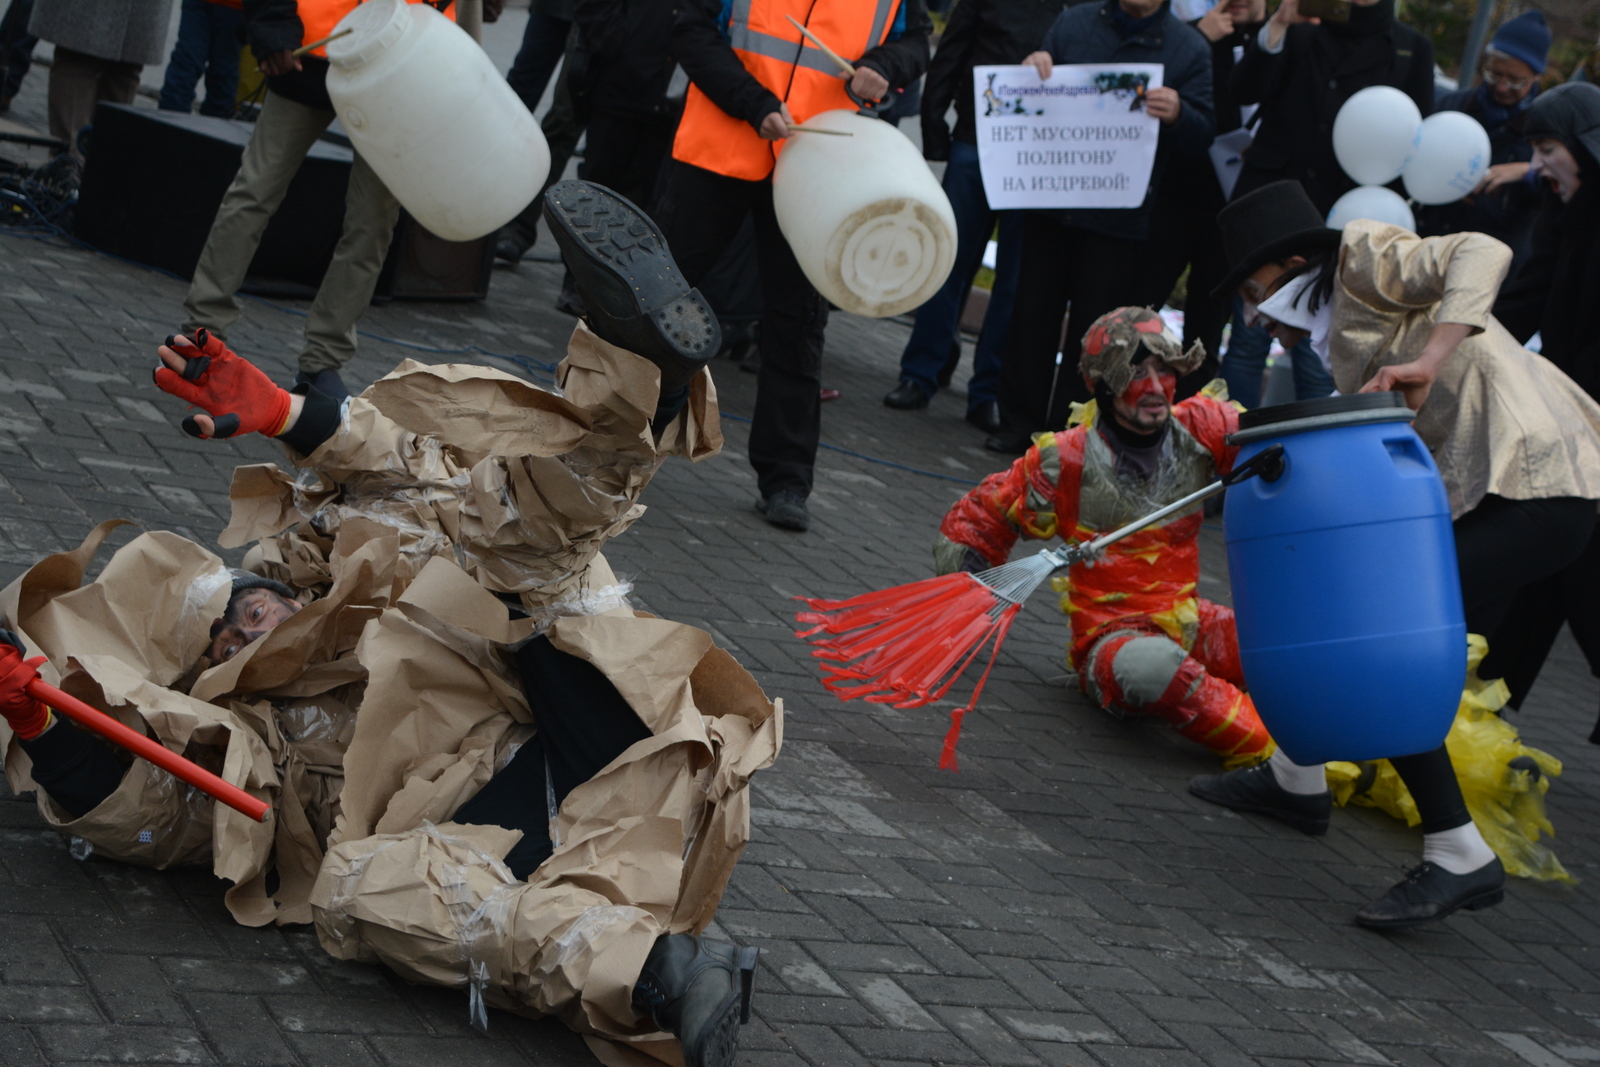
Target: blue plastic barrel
(1345,587)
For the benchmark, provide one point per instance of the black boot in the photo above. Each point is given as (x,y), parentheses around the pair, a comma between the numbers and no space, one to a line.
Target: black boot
(633,294)
(1256,789)
(699,991)
(1429,892)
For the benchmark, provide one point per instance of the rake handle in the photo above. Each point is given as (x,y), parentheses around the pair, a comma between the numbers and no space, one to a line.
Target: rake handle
(140,745)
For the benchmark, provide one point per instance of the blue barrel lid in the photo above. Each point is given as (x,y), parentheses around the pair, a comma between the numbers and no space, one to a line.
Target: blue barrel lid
(1320,414)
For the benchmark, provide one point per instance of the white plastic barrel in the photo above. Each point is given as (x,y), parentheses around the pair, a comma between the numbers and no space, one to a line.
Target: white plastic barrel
(426,109)
(866,218)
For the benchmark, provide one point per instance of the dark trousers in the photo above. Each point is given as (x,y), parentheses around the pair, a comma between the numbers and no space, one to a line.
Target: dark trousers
(1517,650)
(1184,233)
(208,44)
(1060,266)
(1246,361)
(544,40)
(562,129)
(1503,548)
(583,725)
(624,152)
(700,213)
(16,47)
(938,320)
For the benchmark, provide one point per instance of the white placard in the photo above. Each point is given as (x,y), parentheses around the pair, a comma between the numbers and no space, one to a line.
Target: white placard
(1080,139)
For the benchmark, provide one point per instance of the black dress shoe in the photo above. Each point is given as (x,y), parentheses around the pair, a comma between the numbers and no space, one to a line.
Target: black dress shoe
(507,250)
(909,395)
(699,991)
(786,510)
(1429,893)
(633,294)
(1008,441)
(986,416)
(1256,789)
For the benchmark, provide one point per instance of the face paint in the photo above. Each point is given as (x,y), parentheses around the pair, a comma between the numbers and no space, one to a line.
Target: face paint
(1163,384)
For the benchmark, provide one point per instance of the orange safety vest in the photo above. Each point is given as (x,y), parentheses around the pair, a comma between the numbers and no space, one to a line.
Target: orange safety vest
(319,17)
(795,70)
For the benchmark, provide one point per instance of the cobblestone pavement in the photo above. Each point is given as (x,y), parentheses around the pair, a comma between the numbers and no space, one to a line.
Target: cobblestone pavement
(1062,900)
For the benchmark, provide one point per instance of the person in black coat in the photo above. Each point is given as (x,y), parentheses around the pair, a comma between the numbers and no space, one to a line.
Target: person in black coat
(1506,202)
(1089,258)
(1301,72)
(1554,296)
(979,33)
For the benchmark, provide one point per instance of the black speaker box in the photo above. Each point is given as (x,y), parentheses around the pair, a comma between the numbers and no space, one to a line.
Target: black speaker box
(153,181)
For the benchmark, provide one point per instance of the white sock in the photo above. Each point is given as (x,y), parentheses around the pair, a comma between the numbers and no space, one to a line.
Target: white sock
(1305,781)
(1459,851)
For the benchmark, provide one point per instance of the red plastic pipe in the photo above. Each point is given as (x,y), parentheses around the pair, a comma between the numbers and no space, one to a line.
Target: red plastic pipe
(140,745)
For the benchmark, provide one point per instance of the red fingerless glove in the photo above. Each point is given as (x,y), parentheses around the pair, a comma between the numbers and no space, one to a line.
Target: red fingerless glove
(232,390)
(25,715)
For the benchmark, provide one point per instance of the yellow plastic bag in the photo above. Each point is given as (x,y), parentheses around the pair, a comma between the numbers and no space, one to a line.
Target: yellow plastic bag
(1503,780)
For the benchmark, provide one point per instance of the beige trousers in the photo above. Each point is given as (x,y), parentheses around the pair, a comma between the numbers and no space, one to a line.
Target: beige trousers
(284,134)
(77,83)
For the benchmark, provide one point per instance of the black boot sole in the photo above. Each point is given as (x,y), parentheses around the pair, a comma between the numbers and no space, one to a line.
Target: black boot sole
(1483,900)
(633,293)
(1305,824)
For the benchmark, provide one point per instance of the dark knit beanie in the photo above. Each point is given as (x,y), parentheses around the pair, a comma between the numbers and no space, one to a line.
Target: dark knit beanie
(1526,37)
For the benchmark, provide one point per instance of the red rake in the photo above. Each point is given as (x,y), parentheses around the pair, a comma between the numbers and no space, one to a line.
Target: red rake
(907,646)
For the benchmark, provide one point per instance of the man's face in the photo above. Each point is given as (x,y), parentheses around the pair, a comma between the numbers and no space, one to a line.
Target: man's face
(1146,404)
(1509,80)
(1242,11)
(255,612)
(1257,288)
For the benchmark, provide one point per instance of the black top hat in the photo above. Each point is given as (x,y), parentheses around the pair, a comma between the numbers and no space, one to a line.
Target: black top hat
(1266,225)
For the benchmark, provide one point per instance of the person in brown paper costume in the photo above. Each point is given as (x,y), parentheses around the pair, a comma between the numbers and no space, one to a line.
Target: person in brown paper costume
(486,770)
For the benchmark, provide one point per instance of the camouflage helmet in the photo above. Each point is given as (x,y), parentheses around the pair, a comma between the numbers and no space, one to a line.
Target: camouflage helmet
(1111,347)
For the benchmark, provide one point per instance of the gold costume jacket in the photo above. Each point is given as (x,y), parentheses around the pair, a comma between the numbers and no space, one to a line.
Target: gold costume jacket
(1499,419)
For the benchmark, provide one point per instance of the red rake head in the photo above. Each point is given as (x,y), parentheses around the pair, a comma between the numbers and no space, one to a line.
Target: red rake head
(907,645)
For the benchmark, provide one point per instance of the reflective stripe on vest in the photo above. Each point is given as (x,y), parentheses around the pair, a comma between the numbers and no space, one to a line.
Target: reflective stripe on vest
(319,17)
(793,69)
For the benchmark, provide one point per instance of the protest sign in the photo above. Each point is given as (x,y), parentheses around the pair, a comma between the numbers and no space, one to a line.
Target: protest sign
(1079,139)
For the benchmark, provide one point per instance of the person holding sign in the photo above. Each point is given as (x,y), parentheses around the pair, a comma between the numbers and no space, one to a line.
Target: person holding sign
(1088,256)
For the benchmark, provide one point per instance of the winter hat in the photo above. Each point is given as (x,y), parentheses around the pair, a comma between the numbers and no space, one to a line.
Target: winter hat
(1570,113)
(1526,37)
(244,581)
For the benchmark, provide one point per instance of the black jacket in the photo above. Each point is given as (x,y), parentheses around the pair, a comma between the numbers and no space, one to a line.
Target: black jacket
(1555,291)
(272,26)
(623,63)
(710,62)
(1087,34)
(1509,212)
(979,33)
(1302,88)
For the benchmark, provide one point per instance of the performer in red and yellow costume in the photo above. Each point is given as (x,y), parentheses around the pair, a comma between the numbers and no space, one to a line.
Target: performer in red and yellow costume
(1142,642)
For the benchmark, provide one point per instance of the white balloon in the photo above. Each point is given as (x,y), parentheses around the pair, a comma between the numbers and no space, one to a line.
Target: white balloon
(1452,158)
(1376,133)
(1372,202)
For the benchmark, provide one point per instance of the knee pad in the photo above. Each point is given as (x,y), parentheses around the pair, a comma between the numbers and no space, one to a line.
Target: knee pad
(1132,670)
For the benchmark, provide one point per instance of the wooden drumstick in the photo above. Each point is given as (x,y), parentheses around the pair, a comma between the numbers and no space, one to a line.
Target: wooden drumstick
(314,45)
(844,64)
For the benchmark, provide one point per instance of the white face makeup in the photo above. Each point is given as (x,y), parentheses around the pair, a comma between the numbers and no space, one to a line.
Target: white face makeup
(1552,160)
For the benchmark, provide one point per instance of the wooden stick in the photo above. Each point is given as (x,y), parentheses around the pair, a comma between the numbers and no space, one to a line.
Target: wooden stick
(814,129)
(314,45)
(844,64)
(140,745)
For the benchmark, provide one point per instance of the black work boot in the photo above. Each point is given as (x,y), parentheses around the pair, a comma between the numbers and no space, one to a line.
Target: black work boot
(632,292)
(1429,893)
(699,991)
(1256,789)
